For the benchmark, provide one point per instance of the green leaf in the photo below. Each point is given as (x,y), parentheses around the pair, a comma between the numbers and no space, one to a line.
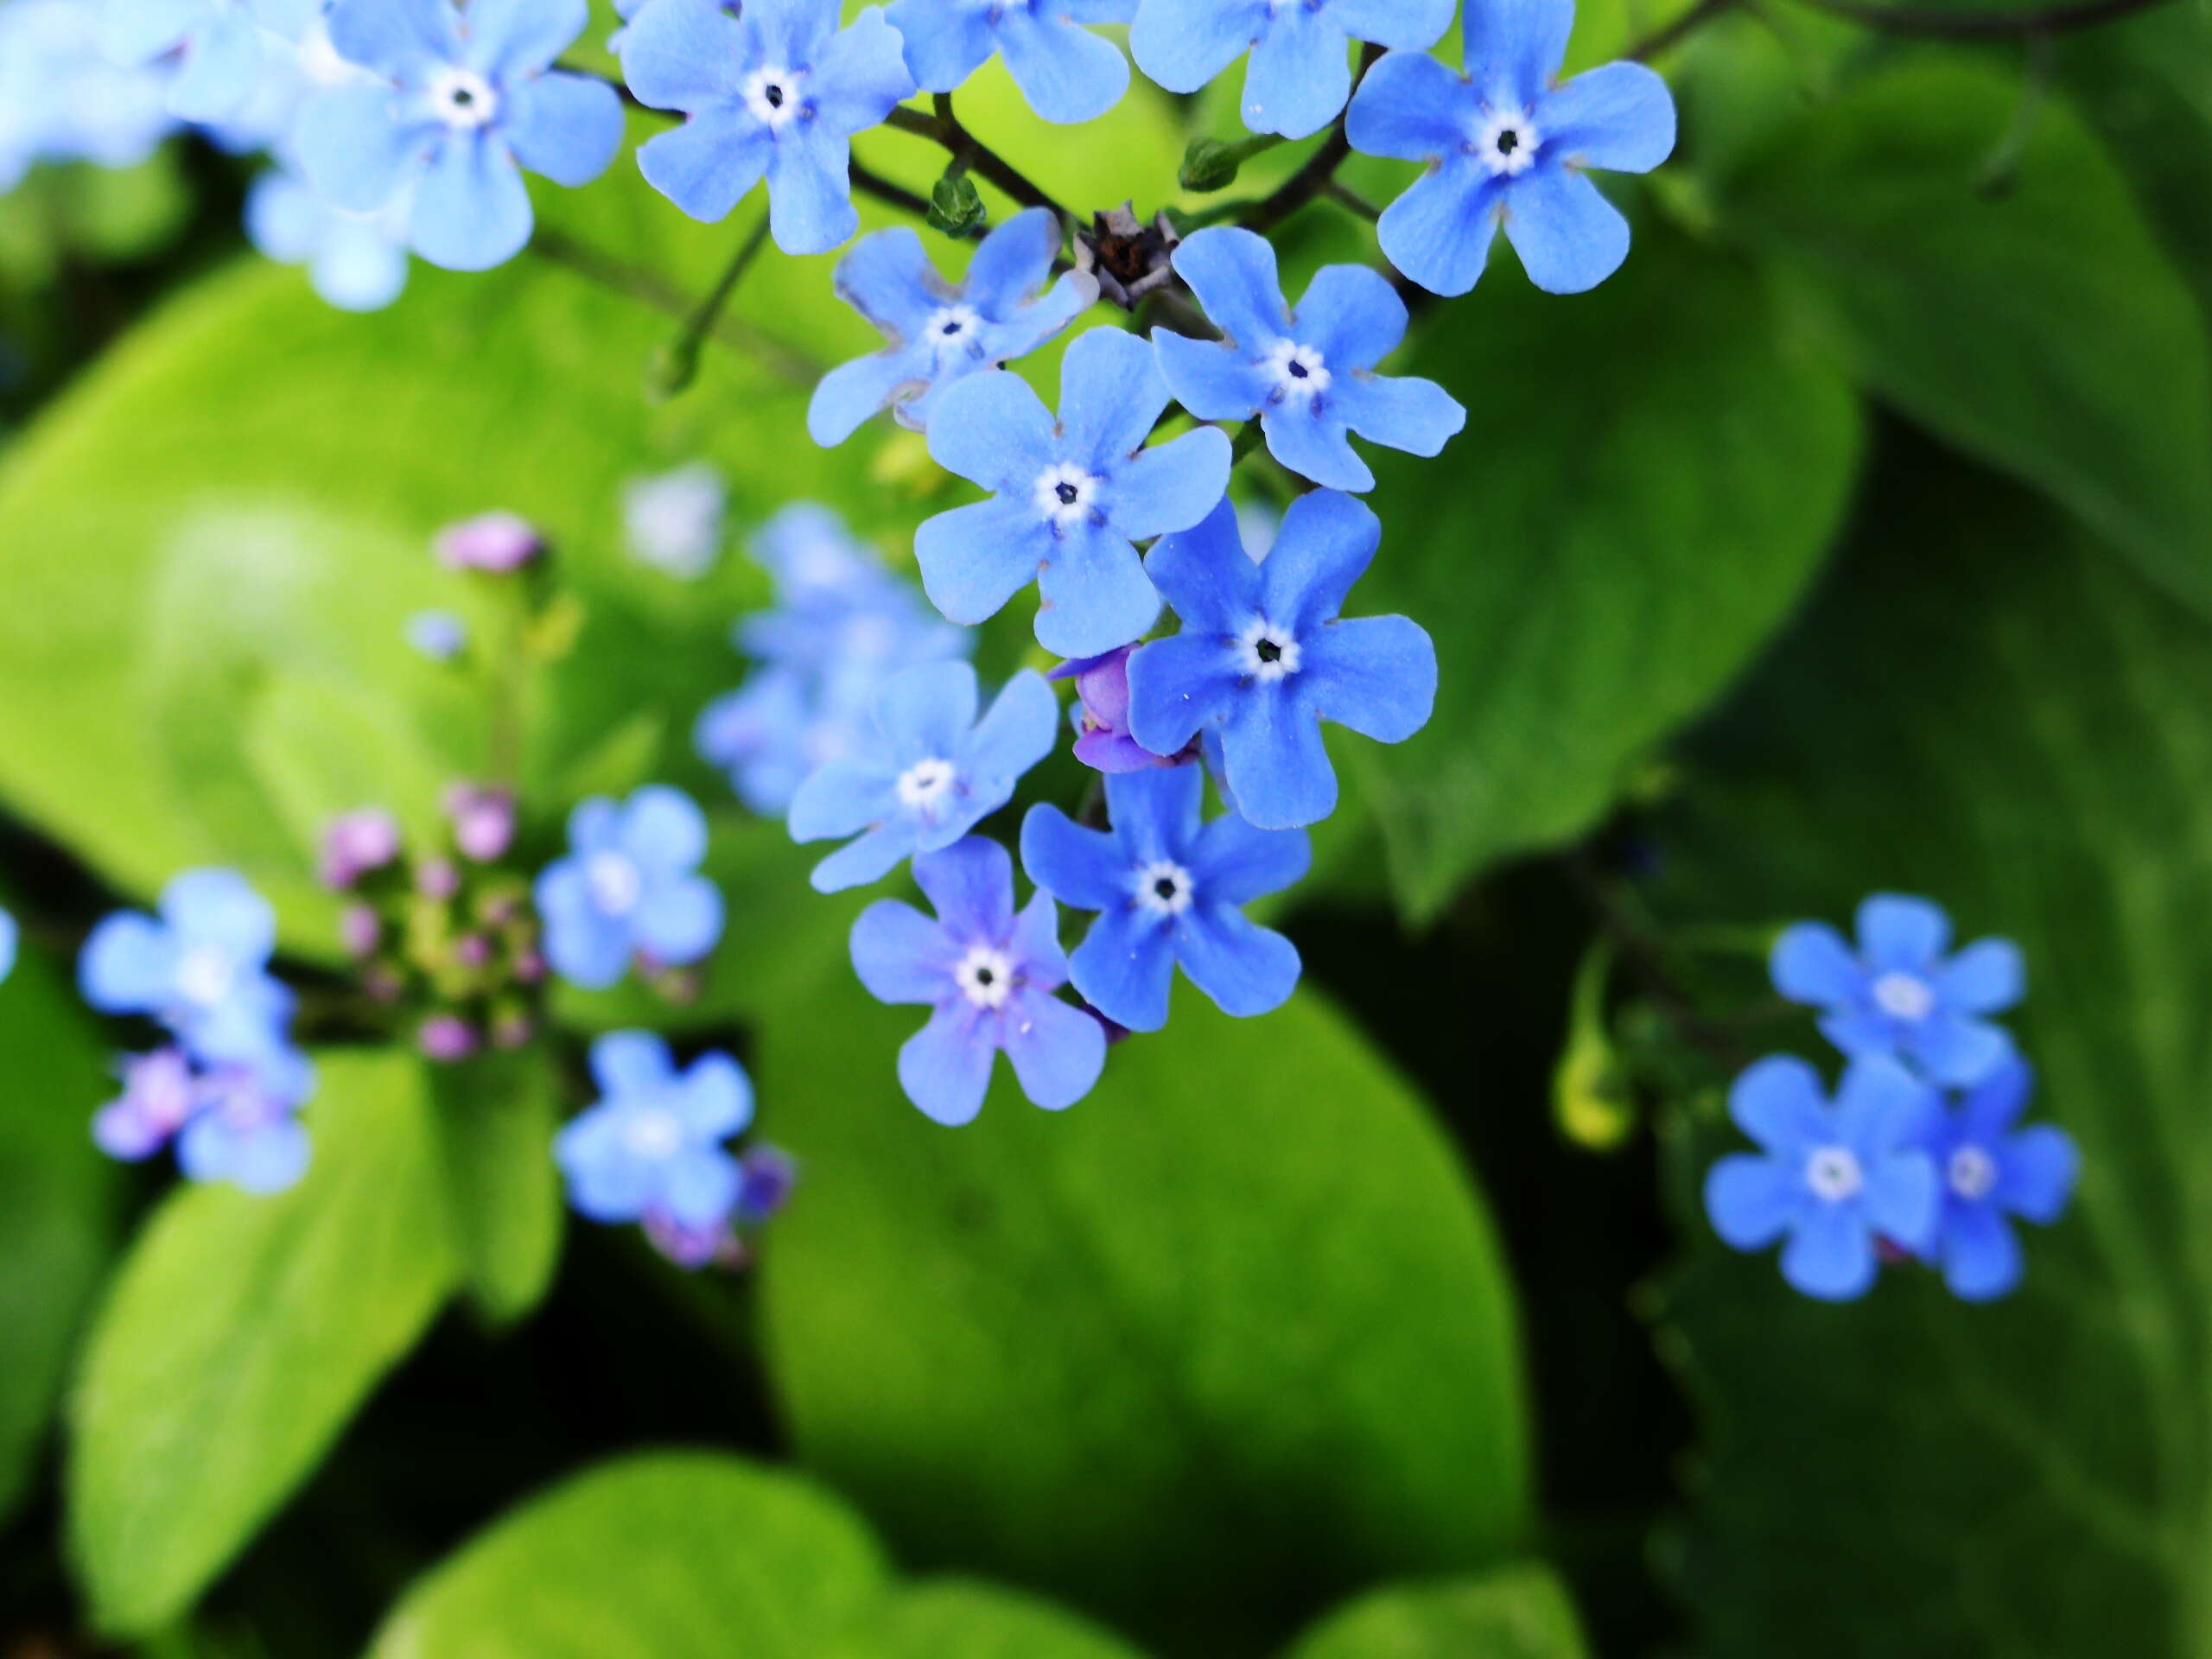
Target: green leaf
(1599,555)
(1238,1307)
(1515,1612)
(495,1116)
(2037,326)
(1992,711)
(57,1201)
(956,1619)
(240,1336)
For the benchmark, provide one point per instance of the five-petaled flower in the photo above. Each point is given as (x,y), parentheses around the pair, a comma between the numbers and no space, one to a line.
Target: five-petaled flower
(629,886)
(1834,1177)
(777,91)
(221,47)
(456,102)
(1067,74)
(1899,994)
(1070,498)
(1262,659)
(651,1150)
(989,975)
(201,968)
(1990,1170)
(356,262)
(1506,146)
(1297,78)
(1307,376)
(1169,889)
(940,334)
(927,772)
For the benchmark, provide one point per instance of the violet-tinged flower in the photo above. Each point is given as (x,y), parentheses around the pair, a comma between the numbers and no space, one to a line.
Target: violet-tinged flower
(246,1128)
(360,931)
(483,819)
(1297,78)
(1899,992)
(1126,256)
(1307,376)
(457,102)
(494,543)
(776,92)
(1169,889)
(989,975)
(356,845)
(652,1146)
(1990,1170)
(356,262)
(1070,495)
(1102,716)
(940,333)
(1067,74)
(437,878)
(675,522)
(447,1038)
(1507,146)
(927,773)
(160,1091)
(629,886)
(201,968)
(9,936)
(512,1031)
(438,635)
(220,46)
(1264,658)
(1835,1179)
(767,1177)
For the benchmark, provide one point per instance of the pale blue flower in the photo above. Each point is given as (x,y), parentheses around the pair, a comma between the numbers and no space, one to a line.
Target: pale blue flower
(1067,74)
(201,968)
(358,262)
(652,1147)
(1298,77)
(630,886)
(1991,1170)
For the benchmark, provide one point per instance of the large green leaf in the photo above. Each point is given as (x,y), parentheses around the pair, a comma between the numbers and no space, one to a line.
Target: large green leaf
(495,1117)
(1992,712)
(675,1555)
(1515,1612)
(57,1200)
(1230,1339)
(2037,325)
(240,1336)
(1649,478)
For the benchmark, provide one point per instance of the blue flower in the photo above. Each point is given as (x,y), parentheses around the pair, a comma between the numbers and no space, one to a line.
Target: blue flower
(161,1090)
(1832,1178)
(201,968)
(629,886)
(438,635)
(455,104)
(1297,78)
(1899,994)
(1169,889)
(1067,74)
(777,91)
(1262,659)
(940,334)
(927,773)
(1306,376)
(221,46)
(989,976)
(244,1128)
(676,522)
(1068,498)
(1506,146)
(651,1148)
(61,98)
(8,941)
(1989,1170)
(358,262)
(628,10)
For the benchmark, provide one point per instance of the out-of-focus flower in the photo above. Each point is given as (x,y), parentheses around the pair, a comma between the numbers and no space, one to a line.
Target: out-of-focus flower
(1991,1170)
(494,543)
(675,522)
(62,99)
(358,262)
(357,843)
(447,1038)
(201,968)
(1297,78)
(483,819)
(651,1149)
(629,886)
(438,635)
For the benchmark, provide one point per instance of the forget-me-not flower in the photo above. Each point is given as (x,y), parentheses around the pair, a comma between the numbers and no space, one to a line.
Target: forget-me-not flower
(1169,889)
(1307,376)
(1834,1177)
(651,1148)
(1990,1171)
(161,1090)
(1298,77)
(1899,992)
(358,262)
(221,46)
(1068,496)
(201,968)
(777,91)
(245,1127)
(1263,658)
(927,773)
(676,521)
(456,103)
(940,333)
(8,934)
(1067,74)
(1506,146)
(989,975)
(630,885)
(62,98)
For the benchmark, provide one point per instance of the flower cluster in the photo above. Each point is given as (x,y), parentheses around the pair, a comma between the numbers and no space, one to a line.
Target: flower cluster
(62,99)
(1920,1152)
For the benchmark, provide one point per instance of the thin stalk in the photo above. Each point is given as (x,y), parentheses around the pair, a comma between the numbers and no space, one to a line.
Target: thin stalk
(1321,169)
(944,129)
(677,364)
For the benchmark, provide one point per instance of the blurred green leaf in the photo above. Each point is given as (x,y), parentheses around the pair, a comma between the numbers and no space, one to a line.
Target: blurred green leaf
(1227,1340)
(2023,733)
(1515,1612)
(2034,323)
(495,1116)
(959,1619)
(1649,478)
(240,1337)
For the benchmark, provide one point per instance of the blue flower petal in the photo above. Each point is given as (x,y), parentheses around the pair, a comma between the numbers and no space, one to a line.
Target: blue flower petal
(509,39)
(133,32)
(353,152)
(219,909)
(1323,548)
(900,954)
(1233,272)
(1095,594)
(1619,116)
(715,1099)
(1204,573)
(2035,1172)
(1570,239)
(688,55)
(1996,1103)
(1518,46)
(710,164)
(1155,814)
(398,39)
(359,267)
(1986,977)
(1751,1201)
(810,193)
(1958,1050)
(1352,315)
(1125,966)
(1904,1199)
(606,1181)
(1811,963)
(1876,1104)
(625,1063)
(1439,232)
(1981,1256)
(843,797)
(265,1160)
(851,394)
(1037,941)
(970,885)
(860,74)
(662,828)
(1082,867)
(1374,674)
(1778,1102)
(946,41)
(1830,1254)
(1168,487)
(1315,448)
(583,945)
(1401,25)
(679,920)
(1896,931)
(1416,416)
(128,964)
(1212,378)
(1235,862)
(888,279)
(1245,968)
(974,559)
(1066,74)
(1112,396)
(1411,108)
(1019,729)
(1014,262)
(471,210)
(945,1067)
(1183,44)
(699,1186)
(926,710)
(867,858)
(595,825)
(1300,73)
(221,69)
(1277,763)
(567,127)
(285,217)
(1058,1050)
(1177,686)
(993,429)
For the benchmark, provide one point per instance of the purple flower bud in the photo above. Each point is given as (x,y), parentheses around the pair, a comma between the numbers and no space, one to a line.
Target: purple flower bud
(357,843)
(493,542)
(483,820)
(1103,740)
(692,1247)
(380,984)
(445,1037)
(436,877)
(766,1177)
(472,950)
(360,931)
(530,968)
(159,1093)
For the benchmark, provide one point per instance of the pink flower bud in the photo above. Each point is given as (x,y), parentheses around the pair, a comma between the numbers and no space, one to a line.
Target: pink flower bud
(493,542)
(445,1037)
(357,843)
(483,821)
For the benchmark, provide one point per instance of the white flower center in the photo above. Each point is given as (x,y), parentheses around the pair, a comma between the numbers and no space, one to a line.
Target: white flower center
(985,976)
(1163,888)
(952,328)
(1506,143)
(615,882)
(922,785)
(205,978)
(1301,374)
(652,1134)
(1973,1173)
(1267,652)
(1904,996)
(1063,493)
(1834,1174)
(772,94)
(462,99)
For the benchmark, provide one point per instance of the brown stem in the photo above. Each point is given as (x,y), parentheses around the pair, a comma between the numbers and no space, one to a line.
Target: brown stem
(945,130)
(1312,179)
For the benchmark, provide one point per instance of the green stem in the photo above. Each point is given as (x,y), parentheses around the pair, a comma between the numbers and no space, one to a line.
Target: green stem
(676,364)
(944,129)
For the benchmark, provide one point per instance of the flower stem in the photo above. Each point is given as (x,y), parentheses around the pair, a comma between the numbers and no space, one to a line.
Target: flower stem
(676,366)
(1321,169)
(944,129)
